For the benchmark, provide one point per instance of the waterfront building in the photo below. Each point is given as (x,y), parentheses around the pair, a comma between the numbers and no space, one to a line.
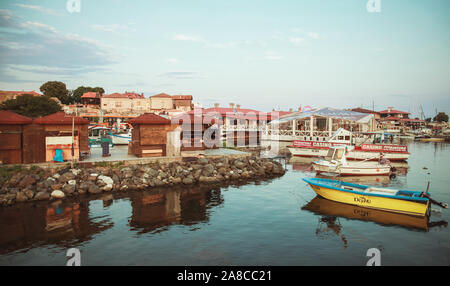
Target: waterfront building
(182,102)
(161,101)
(123,103)
(91,99)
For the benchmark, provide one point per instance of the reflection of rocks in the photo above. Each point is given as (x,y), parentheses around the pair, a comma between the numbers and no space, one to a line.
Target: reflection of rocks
(43,184)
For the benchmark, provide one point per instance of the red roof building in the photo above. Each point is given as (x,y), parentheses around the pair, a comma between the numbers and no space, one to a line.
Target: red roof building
(391,112)
(149,118)
(10,118)
(60,118)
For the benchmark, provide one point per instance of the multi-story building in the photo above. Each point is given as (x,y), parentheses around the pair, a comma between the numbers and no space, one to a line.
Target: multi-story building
(161,101)
(124,102)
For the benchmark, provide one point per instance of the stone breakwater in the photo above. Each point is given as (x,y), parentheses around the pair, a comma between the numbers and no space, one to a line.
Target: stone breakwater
(37,184)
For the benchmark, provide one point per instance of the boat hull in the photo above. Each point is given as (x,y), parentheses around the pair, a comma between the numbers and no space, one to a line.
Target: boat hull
(371,201)
(353,155)
(353,171)
(120,139)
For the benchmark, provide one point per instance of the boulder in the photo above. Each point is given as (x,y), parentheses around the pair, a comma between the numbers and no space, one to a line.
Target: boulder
(21,197)
(41,196)
(188,181)
(57,194)
(27,181)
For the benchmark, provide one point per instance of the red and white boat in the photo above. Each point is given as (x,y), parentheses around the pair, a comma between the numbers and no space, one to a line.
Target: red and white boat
(336,163)
(367,152)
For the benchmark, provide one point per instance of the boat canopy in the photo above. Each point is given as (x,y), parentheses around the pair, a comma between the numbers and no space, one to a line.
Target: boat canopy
(327,112)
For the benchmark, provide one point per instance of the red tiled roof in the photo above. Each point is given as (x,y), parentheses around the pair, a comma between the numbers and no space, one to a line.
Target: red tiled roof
(391,118)
(60,118)
(9,117)
(161,95)
(411,120)
(363,110)
(393,111)
(89,95)
(149,118)
(130,95)
(182,97)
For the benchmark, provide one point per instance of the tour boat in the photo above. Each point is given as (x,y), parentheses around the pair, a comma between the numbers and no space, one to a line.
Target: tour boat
(399,201)
(335,162)
(342,137)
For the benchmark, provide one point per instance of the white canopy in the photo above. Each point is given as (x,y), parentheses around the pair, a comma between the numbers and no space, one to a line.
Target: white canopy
(327,112)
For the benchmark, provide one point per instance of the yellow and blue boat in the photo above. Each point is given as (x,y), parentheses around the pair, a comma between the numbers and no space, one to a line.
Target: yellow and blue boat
(399,201)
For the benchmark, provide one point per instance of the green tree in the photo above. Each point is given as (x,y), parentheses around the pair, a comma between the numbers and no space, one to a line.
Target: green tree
(31,106)
(77,93)
(428,119)
(441,117)
(56,89)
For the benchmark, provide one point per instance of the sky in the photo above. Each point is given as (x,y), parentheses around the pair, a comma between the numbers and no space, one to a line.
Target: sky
(260,54)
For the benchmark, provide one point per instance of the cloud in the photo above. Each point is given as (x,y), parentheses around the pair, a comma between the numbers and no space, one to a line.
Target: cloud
(271,55)
(190,38)
(180,75)
(39,9)
(296,41)
(313,35)
(36,47)
(113,28)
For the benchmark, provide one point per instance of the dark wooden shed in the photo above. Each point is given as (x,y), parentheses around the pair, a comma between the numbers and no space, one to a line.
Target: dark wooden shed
(57,133)
(12,127)
(149,135)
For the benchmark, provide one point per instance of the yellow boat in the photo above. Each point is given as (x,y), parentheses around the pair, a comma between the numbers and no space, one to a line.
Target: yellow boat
(399,201)
(326,207)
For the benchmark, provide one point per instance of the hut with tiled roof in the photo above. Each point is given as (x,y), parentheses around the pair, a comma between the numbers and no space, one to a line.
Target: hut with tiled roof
(150,136)
(57,134)
(12,127)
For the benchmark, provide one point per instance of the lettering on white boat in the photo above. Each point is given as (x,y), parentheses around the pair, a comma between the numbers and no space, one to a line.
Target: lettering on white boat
(362,200)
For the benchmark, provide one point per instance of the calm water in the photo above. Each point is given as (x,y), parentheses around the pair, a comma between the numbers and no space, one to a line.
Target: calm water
(277,222)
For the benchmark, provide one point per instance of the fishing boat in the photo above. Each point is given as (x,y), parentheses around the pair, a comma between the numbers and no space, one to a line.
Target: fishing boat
(97,134)
(121,138)
(362,151)
(335,162)
(414,203)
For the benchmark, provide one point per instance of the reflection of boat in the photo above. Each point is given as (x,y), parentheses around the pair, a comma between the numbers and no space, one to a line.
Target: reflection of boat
(336,163)
(432,139)
(383,180)
(401,201)
(325,207)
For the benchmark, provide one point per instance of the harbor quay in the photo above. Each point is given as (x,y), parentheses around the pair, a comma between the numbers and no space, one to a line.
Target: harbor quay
(29,183)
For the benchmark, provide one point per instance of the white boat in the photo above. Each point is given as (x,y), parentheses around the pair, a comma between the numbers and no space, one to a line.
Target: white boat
(121,138)
(335,162)
(364,151)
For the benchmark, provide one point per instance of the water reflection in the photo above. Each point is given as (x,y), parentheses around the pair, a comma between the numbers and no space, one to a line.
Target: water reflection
(63,224)
(328,208)
(155,210)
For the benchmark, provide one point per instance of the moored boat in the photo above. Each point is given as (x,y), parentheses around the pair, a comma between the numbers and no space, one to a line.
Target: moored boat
(400,201)
(336,163)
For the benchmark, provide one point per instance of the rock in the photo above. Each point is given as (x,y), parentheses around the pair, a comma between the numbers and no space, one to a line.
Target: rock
(76,172)
(203,161)
(94,189)
(188,181)
(69,188)
(93,177)
(64,178)
(57,194)
(107,187)
(239,164)
(28,180)
(222,171)
(29,193)
(56,176)
(261,171)
(208,170)
(106,180)
(177,180)
(204,179)
(41,196)
(49,182)
(21,197)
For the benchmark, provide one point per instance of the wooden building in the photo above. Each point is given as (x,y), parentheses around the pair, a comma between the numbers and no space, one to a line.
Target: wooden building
(56,133)
(12,127)
(149,135)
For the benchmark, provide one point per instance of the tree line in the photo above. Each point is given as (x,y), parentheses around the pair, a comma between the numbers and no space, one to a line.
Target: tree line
(36,106)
